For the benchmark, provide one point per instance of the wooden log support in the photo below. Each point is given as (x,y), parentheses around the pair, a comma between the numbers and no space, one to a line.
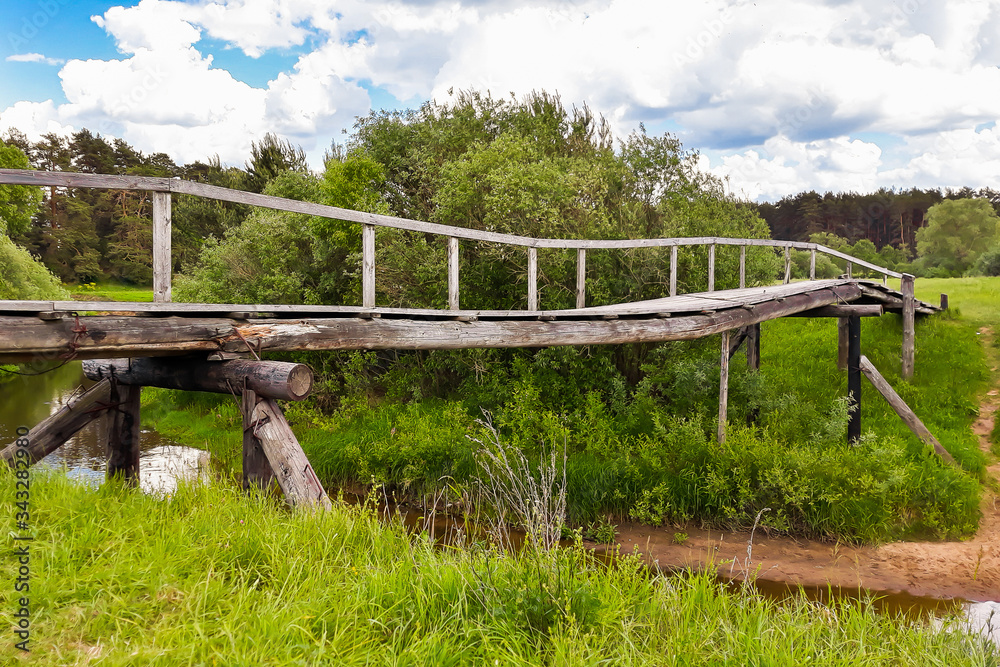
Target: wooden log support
(753,347)
(944,302)
(711,267)
(736,340)
(123,424)
(532,279)
(788,266)
(902,409)
(162,265)
(854,378)
(368,266)
(743,266)
(453,273)
(50,434)
(257,472)
(581,278)
(843,334)
(860,310)
(723,387)
(909,304)
(812,264)
(673,270)
(291,468)
(271,379)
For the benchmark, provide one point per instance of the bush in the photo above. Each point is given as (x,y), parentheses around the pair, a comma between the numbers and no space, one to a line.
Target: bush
(24,278)
(988,263)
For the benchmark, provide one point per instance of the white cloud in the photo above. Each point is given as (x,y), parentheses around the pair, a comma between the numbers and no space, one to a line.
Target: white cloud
(33,58)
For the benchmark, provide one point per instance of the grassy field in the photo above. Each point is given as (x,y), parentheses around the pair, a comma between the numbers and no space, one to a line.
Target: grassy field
(111,292)
(208,576)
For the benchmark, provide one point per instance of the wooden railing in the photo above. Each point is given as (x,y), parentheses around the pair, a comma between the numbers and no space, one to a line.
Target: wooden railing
(162,188)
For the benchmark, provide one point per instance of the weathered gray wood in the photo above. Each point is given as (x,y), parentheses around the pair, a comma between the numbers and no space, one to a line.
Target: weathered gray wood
(843,336)
(812,264)
(581,278)
(944,302)
(271,379)
(788,266)
(854,378)
(736,340)
(753,347)
(452,273)
(532,279)
(860,310)
(850,267)
(723,387)
(123,426)
(257,472)
(673,271)
(902,409)
(711,267)
(162,262)
(743,266)
(368,266)
(50,434)
(906,287)
(112,337)
(291,468)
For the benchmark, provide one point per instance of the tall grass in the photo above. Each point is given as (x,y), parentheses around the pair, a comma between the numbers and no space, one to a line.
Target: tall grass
(209,576)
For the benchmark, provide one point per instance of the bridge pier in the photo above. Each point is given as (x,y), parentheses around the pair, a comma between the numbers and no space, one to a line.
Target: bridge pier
(854,377)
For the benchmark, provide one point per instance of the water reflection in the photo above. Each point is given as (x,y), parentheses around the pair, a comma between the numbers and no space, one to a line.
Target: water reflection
(28,399)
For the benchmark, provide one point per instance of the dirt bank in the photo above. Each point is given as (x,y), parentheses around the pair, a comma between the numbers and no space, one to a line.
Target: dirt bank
(969,569)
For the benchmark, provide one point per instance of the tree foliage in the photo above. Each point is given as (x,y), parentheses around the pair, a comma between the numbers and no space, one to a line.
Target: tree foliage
(957,233)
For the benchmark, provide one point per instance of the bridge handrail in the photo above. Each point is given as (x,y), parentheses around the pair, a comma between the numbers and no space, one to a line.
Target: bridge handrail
(161,227)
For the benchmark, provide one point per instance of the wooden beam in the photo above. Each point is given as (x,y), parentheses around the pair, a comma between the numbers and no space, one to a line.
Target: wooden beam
(743,266)
(843,336)
(753,347)
(368,266)
(116,336)
(909,304)
(271,379)
(723,387)
(291,468)
(944,302)
(581,278)
(736,340)
(859,310)
(50,433)
(788,266)
(532,279)
(812,264)
(673,271)
(854,378)
(902,409)
(452,273)
(711,267)
(257,472)
(162,261)
(123,426)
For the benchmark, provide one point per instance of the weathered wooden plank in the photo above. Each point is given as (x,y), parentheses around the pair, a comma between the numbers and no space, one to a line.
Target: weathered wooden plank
(908,325)
(788,266)
(854,378)
(452,274)
(123,426)
(368,266)
(162,262)
(532,279)
(257,472)
(112,337)
(723,387)
(271,379)
(902,409)
(743,266)
(860,310)
(673,271)
(868,265)
(711,267)
(753,347)
(581,278)
(292,469)
(50,434)
(812,264)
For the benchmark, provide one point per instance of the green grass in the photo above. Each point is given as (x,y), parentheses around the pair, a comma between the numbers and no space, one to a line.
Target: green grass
(111,292)
(978,299)
(208,576)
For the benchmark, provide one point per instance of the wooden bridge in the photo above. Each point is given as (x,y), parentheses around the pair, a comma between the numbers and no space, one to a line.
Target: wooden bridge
(43,331)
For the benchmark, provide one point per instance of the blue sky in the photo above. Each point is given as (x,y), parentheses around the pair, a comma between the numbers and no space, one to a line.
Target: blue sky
(778,96)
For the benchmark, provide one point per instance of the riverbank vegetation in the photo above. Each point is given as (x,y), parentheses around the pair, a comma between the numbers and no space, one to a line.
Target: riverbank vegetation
(208,575)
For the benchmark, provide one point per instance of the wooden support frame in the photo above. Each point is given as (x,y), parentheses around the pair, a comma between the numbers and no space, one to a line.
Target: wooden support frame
(257,472)
(162,268)
(902,409)
(812,264)
(723,387)
(581,278)
(743,266)
(788,266)
(711,267)
(123,427)
(368,266)
(854,378)
(909,305)
(843,335)
(673,271)
(453,303)
(532,279)
(753,347)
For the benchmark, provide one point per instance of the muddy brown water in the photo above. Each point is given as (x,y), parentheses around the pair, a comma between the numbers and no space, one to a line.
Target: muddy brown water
(26,400)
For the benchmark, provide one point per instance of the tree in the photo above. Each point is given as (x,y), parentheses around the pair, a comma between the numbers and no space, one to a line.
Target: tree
(958,231)
(269,157)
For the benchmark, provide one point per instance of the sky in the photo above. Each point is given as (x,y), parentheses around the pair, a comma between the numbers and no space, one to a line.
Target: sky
(777,96)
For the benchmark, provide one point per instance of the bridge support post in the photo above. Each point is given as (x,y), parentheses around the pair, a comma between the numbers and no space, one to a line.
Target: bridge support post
(854,378)
(909,309)
(257,472)
(843,329)
(723,386)
(122,444)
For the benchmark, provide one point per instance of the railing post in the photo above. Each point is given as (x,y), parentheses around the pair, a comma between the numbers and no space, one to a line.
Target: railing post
(711,267)
(743,266)
(162,268)
(788,265)
(532,279)
(673,270)
(453,273)
(909,307)
(850,270)
(723,386)
(812,265)
(581,278)
(854,378)
(368,266)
